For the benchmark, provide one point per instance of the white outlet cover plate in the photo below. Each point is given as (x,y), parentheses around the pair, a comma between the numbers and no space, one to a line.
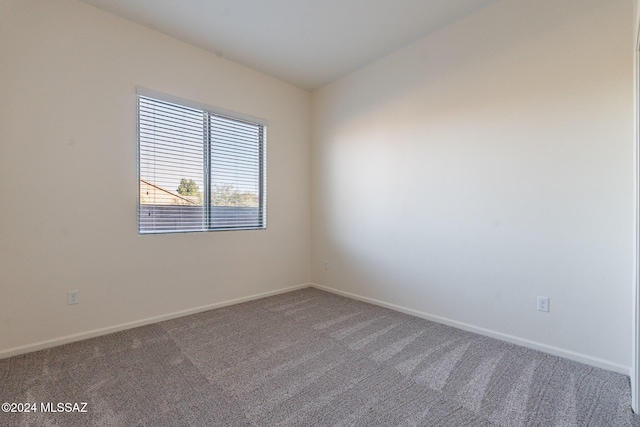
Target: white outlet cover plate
(72,297)
(543,304)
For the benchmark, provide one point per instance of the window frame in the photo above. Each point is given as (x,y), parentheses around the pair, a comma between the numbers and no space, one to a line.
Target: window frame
(207,167)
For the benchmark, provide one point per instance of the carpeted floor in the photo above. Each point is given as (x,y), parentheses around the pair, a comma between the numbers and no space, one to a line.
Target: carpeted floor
(308,358)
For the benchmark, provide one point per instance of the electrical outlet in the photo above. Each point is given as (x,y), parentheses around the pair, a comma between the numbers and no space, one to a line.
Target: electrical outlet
(326,265)
(72,297)
(543,304)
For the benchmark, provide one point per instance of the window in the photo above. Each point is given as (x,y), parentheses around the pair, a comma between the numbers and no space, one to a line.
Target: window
(198,169)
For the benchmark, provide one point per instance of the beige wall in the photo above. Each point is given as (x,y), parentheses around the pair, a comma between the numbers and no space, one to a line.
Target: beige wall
(487,164)
(69,184)
(459,177)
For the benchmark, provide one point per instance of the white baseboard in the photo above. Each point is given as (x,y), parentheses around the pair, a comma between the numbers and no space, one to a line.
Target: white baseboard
(41,345)
(556,351)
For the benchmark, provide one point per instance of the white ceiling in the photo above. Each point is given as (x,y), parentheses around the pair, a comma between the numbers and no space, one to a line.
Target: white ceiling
(308,43)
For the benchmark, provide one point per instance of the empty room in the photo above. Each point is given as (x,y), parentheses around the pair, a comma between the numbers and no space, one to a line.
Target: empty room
(307,213)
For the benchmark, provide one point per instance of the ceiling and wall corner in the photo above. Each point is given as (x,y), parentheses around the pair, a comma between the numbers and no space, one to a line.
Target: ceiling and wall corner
(305,43)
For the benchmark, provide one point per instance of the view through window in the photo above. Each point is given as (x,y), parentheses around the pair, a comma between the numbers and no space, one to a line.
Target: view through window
(198,170)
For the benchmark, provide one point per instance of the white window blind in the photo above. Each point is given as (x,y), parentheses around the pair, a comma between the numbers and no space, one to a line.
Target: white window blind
(198,170)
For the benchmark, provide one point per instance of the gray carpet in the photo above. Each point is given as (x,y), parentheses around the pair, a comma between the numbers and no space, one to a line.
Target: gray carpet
(309,358)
